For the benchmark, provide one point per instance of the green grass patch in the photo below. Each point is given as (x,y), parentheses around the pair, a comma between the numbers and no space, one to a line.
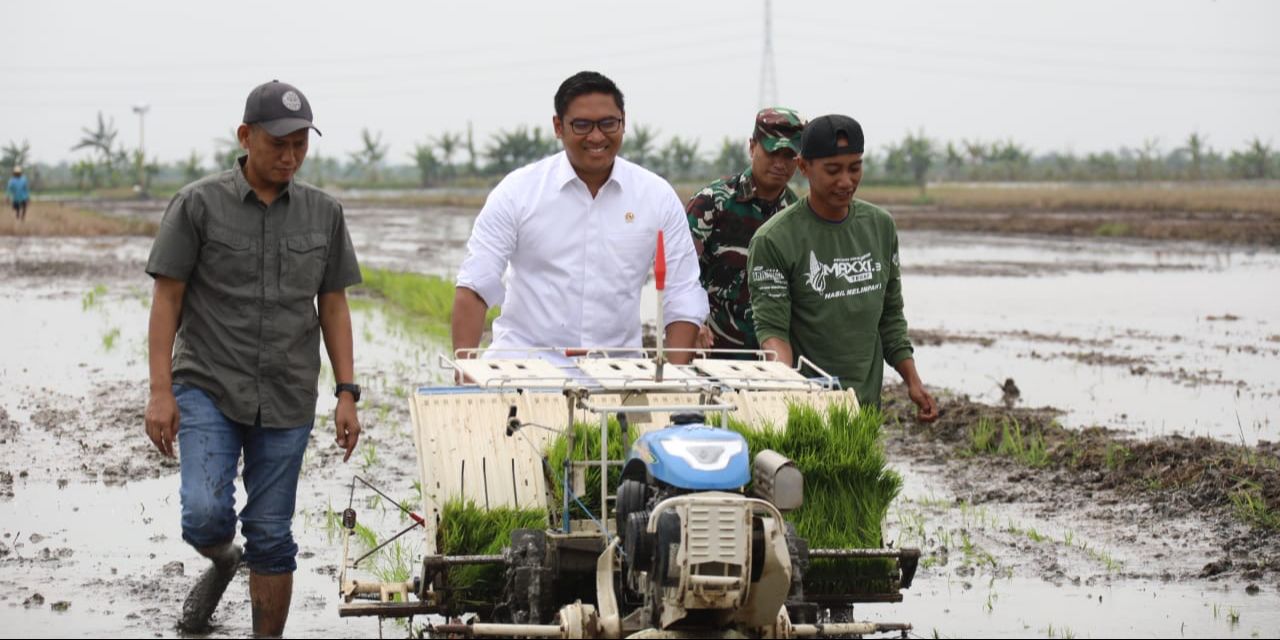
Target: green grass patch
(1113,230)
(1252,507)
(426,302)
(1115,455)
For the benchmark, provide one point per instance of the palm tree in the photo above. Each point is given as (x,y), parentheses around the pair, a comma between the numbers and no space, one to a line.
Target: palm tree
(15,154)
(371,156)
(471,151)
(509,149)
(1147,156)
(1196,149)
(428,164)
(919,156)
(1254,162)
(638,145)
(732,157)
(226,150)
(191,168)
(953,158)
(102,140)
(679,157)
(449,143)
(86,174)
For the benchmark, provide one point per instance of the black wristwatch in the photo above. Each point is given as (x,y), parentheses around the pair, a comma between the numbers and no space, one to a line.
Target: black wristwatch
(354,389)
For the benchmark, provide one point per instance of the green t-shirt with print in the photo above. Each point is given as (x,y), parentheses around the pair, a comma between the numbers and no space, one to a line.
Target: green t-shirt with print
(833,290)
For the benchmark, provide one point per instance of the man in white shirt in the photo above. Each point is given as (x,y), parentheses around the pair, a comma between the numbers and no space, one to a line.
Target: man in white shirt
(565,244)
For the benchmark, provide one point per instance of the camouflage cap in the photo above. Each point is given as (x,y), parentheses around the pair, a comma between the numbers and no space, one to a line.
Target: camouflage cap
(778,128)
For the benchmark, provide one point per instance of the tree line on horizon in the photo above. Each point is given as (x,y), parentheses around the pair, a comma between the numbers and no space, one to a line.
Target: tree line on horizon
(455,159)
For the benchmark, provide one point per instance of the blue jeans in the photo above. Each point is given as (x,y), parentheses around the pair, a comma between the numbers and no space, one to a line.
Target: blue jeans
(209,447)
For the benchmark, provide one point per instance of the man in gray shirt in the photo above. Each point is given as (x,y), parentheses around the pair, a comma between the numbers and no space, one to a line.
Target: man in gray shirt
(242,262)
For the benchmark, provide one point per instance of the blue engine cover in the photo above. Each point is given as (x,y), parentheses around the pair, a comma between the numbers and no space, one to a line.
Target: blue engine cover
(695,457)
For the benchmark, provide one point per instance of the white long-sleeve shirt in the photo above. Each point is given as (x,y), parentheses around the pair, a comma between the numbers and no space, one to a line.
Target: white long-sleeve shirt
(568,269)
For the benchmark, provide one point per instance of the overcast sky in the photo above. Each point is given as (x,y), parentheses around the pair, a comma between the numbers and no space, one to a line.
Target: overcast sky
(1077,75)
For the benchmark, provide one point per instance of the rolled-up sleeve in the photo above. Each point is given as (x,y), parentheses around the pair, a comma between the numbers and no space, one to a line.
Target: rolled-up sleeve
(493,239)
(684,299)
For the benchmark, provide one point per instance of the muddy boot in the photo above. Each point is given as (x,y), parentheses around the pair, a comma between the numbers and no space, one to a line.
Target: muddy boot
(207,592)
(270,595)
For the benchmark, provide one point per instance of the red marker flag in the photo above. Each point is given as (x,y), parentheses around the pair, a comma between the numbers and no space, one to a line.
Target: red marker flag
(660,264)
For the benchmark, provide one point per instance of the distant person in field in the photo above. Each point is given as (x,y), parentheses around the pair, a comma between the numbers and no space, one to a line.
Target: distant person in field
(824,275)
(723,217)
(18,193)
(566,244)
(251,268)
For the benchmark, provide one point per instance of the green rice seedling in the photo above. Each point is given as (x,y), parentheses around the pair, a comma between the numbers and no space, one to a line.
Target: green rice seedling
(1027,449)
(848,488)
(109,338)
(332,523)
(982,436)
(1102,557)
(393,563)
(369,455)
(1064,632)
(1115,455)
(586,446)
(365,536)
(1252,508)
(467,529)
(92,297)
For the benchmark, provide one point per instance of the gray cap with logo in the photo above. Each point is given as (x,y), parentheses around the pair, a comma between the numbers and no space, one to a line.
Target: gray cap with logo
(279,108)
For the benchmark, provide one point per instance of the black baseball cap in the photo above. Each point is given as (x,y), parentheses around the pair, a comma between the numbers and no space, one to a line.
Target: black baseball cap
(822,134)
(279,108)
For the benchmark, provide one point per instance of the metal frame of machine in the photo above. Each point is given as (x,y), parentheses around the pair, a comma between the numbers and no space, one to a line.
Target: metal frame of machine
(676,561)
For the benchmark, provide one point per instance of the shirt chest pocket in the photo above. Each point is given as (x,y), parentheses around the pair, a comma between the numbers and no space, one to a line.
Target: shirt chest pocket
(302,263)
(632,255)
(229,262)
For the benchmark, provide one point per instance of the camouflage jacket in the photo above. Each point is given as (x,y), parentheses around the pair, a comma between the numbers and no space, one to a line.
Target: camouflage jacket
(723,217)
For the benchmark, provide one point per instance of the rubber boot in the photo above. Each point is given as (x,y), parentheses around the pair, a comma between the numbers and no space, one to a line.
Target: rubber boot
(271,595)
(208,590)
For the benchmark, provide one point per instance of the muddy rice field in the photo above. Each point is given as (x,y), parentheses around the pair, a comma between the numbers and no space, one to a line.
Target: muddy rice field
(1143,375)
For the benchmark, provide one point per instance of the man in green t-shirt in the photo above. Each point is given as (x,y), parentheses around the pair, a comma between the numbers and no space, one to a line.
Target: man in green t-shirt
(824,276)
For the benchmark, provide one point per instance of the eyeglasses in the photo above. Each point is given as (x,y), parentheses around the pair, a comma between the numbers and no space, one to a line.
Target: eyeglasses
(583,126)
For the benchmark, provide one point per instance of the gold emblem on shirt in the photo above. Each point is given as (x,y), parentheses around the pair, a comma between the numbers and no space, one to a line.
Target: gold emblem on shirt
(631,217)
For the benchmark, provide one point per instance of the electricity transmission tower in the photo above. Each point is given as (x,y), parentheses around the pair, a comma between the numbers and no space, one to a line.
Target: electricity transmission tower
(768,74)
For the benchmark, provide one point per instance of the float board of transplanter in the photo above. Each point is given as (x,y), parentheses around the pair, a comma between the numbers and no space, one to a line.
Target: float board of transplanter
(753,374)
(627,373)
(531,372)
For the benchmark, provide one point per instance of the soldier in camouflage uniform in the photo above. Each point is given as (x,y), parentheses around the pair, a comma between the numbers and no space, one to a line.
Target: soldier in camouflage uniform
(724,215)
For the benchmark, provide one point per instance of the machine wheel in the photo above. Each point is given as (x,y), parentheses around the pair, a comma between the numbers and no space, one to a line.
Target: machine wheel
(632,496)
(530,590)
